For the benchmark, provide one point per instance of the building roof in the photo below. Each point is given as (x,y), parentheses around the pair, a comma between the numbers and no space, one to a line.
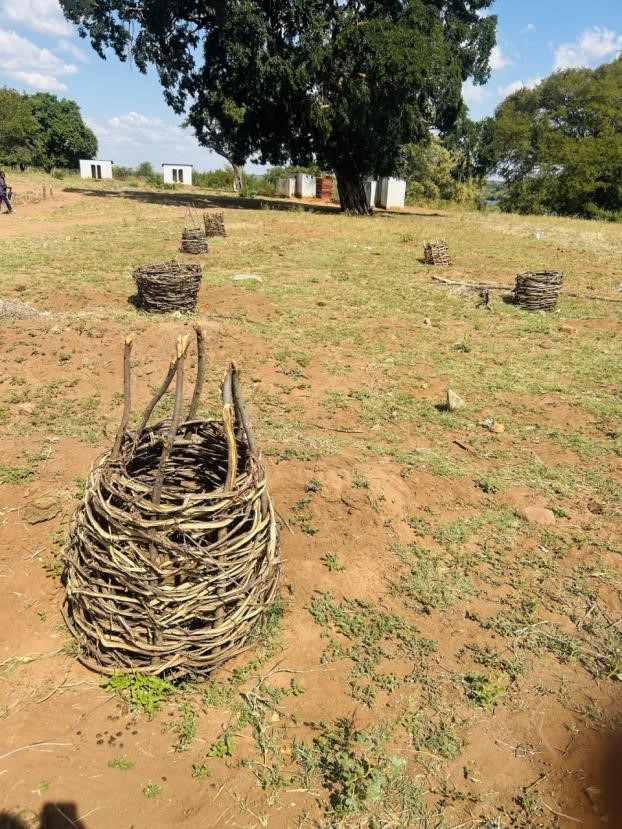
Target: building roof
(175,164)
(97,159)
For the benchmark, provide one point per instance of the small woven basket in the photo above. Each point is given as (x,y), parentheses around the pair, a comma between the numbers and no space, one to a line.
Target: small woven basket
(167,286)
(436,253)
(193,240)
(172,557)
(538,290)
(214,224)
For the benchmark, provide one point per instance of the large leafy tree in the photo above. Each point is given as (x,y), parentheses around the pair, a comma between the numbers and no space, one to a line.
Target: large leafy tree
(559,146)
(343,83)
(18,127)
(63,137)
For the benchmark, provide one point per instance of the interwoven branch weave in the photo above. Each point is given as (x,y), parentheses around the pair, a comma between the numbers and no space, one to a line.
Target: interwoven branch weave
(172,557)
(436,253)
(193,240)
(538,291)
(167,286)
(214,224)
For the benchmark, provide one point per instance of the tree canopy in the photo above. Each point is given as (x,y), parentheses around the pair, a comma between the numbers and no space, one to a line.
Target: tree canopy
(43,130)
(63,137)
(559,146)
(18,126)
(342,83)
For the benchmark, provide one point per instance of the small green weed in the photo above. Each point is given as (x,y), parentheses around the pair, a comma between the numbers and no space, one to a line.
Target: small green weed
(224,746)
(488,485)
(186,728)
(433,580)
(483,691)
(152,790)
(333,563)
(121,763)
(144,693)
(15,474)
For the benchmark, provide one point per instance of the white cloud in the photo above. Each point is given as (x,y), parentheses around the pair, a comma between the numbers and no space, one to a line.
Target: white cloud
(473,94)
(70,48)
(36,80)
(26,63)
(498,60)
(510,89)
(592,46)
(42,16)
(513,87)
(530,27)
(135,131)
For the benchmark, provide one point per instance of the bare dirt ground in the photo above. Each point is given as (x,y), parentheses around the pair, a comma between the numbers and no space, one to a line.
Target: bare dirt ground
(475,654)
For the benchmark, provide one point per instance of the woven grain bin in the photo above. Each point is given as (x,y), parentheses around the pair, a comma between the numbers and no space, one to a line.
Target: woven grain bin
(172,557)
(167,286)
(538,290)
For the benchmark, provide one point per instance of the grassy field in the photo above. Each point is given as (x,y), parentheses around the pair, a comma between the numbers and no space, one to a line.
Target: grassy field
(436,659)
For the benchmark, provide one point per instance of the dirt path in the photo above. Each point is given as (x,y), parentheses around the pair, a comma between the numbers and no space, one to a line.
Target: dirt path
(34,218)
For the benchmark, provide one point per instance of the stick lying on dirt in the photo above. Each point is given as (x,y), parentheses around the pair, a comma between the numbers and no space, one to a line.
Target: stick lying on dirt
(477,286)
(488,286)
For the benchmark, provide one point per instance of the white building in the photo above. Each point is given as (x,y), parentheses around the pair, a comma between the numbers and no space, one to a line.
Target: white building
(390,192)
(371,187)
(305,186)
(177,173)
(287,187)
(95,168)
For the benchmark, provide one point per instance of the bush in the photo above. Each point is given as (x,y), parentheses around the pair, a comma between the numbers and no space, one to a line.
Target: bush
(122,173)
(214,179)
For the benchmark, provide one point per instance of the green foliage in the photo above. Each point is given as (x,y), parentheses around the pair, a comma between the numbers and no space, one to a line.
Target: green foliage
(354,765)
(483,691)
(433,580)
(435,172)
(18,127)
(201,771)
(63,137)
(333,563)
(559,146)
(432,737)
(152,790)
(121,763)
(224,746)
(14,474)
(43,130)
(343,85)
(143,692)
(186,728)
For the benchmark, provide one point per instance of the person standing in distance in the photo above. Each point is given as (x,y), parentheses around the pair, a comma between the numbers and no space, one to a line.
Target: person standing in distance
(4,193)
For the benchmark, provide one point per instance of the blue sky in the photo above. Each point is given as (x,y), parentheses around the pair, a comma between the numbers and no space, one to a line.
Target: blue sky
(39,50)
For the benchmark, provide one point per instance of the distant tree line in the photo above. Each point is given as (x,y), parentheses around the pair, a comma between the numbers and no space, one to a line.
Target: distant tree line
(42,130)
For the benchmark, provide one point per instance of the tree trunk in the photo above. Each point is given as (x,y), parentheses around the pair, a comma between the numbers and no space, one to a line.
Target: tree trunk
(352,193)
(238,176)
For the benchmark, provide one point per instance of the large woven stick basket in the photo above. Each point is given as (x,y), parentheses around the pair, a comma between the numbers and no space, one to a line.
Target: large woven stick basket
(538,290)
(167,286)
(172,557)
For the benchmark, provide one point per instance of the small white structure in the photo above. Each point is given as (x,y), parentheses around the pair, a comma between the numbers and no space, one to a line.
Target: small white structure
(177,173)
(390,192)
(95,168)
(287,187)
(371,187)
(305,186)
